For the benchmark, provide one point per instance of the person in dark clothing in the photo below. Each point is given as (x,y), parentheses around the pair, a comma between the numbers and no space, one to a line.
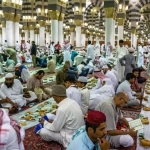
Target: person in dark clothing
(33,53)
(139,78)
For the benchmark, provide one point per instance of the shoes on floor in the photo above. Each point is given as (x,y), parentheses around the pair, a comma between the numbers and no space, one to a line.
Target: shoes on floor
(145,120)
(38,128)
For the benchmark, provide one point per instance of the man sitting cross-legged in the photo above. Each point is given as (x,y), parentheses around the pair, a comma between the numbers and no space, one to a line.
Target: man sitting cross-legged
(68,119)
(13,89)
(111,108)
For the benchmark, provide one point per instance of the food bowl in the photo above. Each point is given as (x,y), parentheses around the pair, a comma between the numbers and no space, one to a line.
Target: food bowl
(22,122)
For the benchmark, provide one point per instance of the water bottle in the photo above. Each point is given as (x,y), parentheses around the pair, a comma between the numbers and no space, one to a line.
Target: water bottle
(19,108)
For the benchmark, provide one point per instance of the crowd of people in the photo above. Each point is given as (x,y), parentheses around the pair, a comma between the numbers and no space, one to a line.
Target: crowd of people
(88,119)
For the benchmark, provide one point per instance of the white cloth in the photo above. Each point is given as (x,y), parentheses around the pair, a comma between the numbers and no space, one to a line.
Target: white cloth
(113,78)
(115,73)
(5,45)
(15,94)
(121,51)
(90,66)
(52,49)
(97,48)
(125,86)
(17,46)
(80,68)
(68,119)
(90,51)
(140,61)
(28,46)
(74,94)
(108,53)
(98,85)
(85,97)
(25,74)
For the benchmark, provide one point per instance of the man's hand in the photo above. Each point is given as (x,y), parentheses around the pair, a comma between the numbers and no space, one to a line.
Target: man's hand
(26,95)
(104,144)
(11,102)
(132,132)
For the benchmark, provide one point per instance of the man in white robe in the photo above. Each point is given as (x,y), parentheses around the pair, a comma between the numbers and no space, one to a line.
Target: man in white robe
(97,48)
(68,119)
(52,49)
(125,86)
(17,46)
(28,46)
(13,89)
(110,75)
(5,45)
(90,51)
(140,61)
(72,91)
(121,51)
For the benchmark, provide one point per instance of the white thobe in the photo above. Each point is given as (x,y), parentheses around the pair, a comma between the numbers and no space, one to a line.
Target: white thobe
(140,61)
(17,47)
(115,73)
(98,85)
(25,74)
(85,97)
(74,94)
(15,94)
(113,78)
(28,46)
(52,49)
(108,53)
(90,51)
(90,66)
(125,86)
(68,119)
(80,68)
(5,45)
(97,49)
(121,51)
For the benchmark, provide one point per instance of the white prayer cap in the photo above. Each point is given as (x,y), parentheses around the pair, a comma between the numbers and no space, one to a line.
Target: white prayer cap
(131,50)
(18,65)
(105,67)
(82,79)
(9,75)
(96,69)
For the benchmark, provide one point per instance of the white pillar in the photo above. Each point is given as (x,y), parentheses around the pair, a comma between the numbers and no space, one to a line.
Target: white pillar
(16,32)
(67,37)
(10,33)
(1,38)
(135,41)
(113,28)
(120,33)
(132,39)
(72,35)
(83,39)
(54,31)
(78,36)
(31,36)
(26,35)
(20,38)
(47,37)
(91,38)
(36,38)
(42,36)
(109,24)
(60,31)
(3,34)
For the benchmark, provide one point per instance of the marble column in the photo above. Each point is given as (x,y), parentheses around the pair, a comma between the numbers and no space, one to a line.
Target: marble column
(36,37)
(3,31)
(120,29)
(31,33)
(83,37)
(54,14)
(133,37)
(26,35)
(16,27)
(72,35)
(109,25)
(60,28)
(78,36)
(42,33)
(0,36)
(91,38)
(47,37)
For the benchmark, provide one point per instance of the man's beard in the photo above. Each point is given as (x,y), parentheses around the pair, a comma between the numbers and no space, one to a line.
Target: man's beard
(9,85)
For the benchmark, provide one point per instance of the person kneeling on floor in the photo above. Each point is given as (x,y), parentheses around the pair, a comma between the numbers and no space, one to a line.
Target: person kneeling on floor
(68,119)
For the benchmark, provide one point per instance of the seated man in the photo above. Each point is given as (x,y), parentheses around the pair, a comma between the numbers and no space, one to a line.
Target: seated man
(44,61)
(85,94)
(10,65)
(110,75)
(91,136)
(135,86)
(125,86)
(22,72)
(62,74)
(51,65)
(111,108)
(35,83)
(82,71)
(72,91)
(68,119)
(11,134)
(13,89)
